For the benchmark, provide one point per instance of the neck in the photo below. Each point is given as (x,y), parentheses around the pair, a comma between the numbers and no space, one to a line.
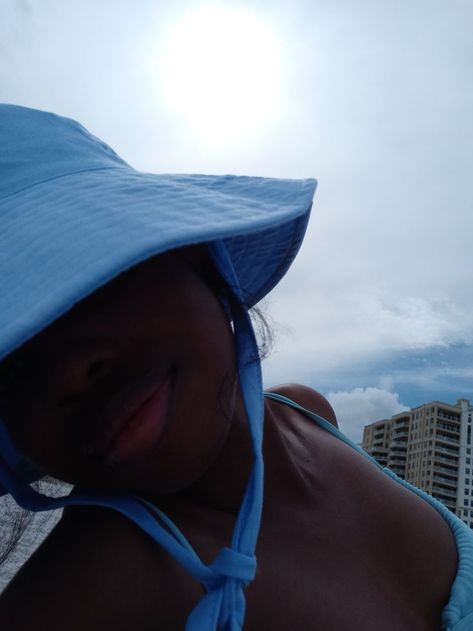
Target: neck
(223,485)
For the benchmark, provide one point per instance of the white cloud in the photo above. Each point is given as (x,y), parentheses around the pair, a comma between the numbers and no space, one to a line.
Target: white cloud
(361,406)
(327,327)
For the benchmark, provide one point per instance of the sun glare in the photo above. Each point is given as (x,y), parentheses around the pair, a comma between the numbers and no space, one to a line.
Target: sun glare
(220,69)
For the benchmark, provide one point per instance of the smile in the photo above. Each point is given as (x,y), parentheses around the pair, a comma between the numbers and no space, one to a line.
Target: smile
(138,427)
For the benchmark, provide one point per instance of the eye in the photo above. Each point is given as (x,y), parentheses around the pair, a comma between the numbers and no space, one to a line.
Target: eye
(97,369)
(11,373)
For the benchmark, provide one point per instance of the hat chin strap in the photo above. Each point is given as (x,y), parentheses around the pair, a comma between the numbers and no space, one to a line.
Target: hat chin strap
(223,606)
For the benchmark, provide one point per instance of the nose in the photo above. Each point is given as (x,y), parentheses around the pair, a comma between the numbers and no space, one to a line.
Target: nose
(82,370)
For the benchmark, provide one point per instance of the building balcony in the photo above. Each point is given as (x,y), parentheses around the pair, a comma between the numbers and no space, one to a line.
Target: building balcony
(449,427)
(448,499)
(449,417)
(397,423)
(380,458)
(446,450)
(397,459)
(452,472)
(447,481)
(397,446)
(399,471)
(452,505)
(375,452)
(451,461)
(399,439)
(446,439)
(438,490)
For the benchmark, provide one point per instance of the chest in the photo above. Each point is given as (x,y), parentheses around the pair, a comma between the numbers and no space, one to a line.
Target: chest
(341,567)
(342,547)
(313,580)
(315,573)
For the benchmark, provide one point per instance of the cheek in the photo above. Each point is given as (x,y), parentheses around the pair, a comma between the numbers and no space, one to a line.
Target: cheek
(200,415)
(199,423)
(205,393)
(37,435)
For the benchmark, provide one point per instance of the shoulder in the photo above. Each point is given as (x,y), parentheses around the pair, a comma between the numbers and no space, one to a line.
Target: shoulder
(308,398)
(97,568)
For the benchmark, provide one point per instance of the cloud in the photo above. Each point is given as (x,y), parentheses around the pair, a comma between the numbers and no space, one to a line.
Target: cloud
(322,327)
(361,406)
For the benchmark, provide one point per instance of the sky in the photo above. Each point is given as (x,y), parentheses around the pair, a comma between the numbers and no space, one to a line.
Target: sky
(373,98)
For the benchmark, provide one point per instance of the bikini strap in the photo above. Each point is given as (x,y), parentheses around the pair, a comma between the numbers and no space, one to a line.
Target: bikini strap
(323,423)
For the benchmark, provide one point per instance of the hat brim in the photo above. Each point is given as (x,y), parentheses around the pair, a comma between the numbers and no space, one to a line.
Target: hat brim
(64,238)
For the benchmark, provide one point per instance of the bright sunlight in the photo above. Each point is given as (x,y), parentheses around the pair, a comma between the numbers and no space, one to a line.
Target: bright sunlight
(220,70)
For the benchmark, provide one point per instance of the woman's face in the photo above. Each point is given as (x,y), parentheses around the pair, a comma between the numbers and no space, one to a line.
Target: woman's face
(134,388)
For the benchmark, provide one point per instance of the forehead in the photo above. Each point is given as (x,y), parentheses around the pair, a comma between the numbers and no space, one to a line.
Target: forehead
(138,285)
(112,294)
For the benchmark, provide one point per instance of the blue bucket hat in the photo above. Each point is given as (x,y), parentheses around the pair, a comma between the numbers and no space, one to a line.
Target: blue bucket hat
(74,215)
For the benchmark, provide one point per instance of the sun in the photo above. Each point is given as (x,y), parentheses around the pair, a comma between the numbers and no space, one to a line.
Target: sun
(220,70)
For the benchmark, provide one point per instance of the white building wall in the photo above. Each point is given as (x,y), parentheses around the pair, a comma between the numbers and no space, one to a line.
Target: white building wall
(465,465)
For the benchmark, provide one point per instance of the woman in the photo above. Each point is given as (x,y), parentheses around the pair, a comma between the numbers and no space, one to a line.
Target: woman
(130,370)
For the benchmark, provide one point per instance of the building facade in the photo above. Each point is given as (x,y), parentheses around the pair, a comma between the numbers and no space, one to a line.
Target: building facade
(429,446)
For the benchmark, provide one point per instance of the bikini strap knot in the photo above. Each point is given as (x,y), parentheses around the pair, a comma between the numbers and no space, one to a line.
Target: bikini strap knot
(223,607)
(234,564)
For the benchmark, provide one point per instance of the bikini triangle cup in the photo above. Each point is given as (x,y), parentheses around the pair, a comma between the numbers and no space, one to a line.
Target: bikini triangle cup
(265,220)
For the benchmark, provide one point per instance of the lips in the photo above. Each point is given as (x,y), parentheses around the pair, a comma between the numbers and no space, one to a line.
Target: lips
(135,421)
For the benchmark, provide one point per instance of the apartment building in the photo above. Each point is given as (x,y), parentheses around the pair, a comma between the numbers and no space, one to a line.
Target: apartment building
(431,447)
(376,438)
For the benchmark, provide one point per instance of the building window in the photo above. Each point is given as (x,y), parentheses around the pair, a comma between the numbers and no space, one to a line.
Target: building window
(467,470)
(468,461)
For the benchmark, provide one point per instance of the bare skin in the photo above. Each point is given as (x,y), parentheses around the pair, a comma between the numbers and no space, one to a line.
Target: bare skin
(342,547)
